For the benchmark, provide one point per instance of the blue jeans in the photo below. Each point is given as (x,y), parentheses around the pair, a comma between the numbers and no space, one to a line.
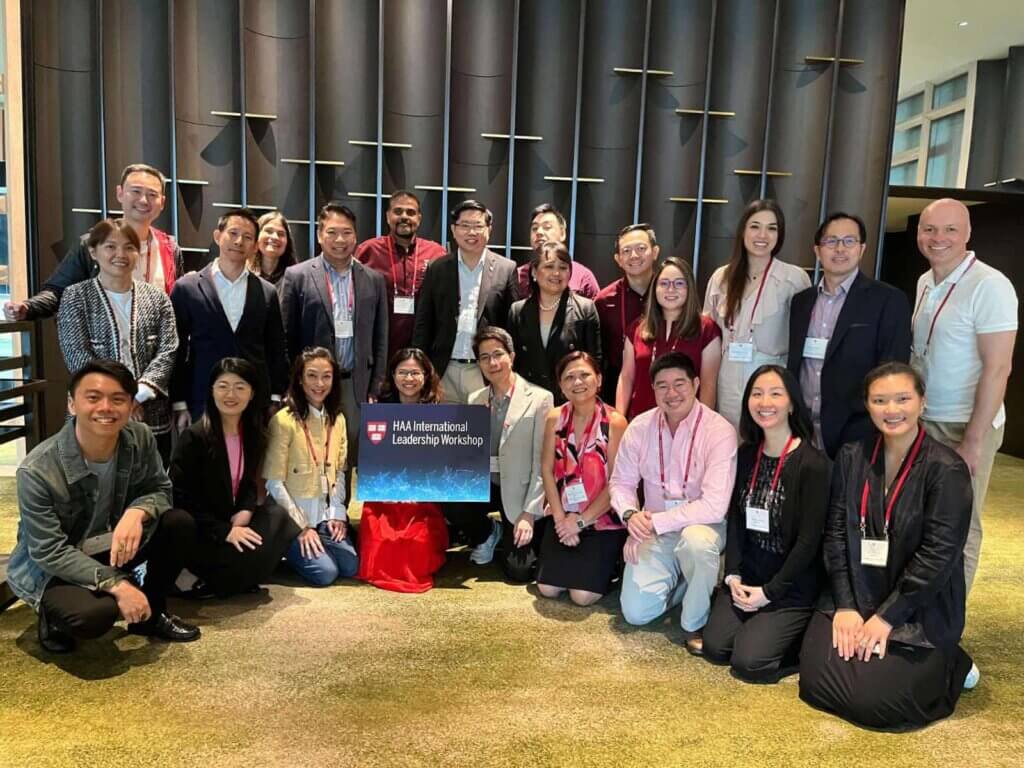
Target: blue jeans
(339,560)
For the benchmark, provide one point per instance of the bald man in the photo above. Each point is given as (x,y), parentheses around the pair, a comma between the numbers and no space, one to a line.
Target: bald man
(964,326)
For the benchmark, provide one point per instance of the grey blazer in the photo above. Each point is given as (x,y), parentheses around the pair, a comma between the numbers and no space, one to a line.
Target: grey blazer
(522,488)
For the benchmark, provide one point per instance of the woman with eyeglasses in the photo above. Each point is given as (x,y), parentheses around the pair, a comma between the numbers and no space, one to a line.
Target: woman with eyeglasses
(275,251)
(215,472)
(402,544)
(304,469)
(581,547)
(883,650)
(671,322)
(552,322)
(749,299)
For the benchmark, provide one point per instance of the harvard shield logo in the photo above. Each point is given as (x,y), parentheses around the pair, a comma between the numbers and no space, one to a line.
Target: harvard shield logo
(376,431)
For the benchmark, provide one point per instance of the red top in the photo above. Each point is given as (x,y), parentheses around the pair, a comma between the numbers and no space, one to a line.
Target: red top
(167,247)
(642,398)
(610,310)
(404,265)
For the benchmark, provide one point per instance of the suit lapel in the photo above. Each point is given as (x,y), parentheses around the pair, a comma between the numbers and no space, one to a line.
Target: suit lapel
(486,281)
(516,408)
(845,315)
(318,275)
(208,289)
(359,289)
(253,299)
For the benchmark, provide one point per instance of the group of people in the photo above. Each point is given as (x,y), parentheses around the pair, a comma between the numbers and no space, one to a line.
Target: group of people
(636,434)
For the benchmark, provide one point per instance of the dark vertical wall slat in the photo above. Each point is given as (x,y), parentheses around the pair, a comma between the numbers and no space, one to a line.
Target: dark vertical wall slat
(989,123)
(1011,165)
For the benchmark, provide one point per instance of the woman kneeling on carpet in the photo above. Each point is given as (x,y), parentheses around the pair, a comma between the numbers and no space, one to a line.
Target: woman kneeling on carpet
(214,471)
(581,551)
(402,545)
(773,547)
(885,653)
(304,469)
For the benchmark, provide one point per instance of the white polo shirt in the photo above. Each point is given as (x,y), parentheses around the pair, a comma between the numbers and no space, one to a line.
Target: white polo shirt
(982,301)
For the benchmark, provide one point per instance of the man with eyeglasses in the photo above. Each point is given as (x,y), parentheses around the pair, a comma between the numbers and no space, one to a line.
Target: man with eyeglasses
(842,328)
(547,225)
(401,257)
(622,302)
(463,292)
(684,453)
(141,195)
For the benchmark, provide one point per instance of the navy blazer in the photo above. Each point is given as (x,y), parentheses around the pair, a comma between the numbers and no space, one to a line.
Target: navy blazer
(309,319)
(873,328)
(205,337)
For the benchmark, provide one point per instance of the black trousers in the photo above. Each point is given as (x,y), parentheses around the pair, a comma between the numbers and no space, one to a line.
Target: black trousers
(89,614)
(758,646)
(471,517)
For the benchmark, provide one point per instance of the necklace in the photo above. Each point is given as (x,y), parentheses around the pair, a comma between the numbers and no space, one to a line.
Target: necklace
(546,308)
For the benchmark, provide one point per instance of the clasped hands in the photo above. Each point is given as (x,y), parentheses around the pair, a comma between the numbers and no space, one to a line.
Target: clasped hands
(855,638)
(567,529)
(747,599)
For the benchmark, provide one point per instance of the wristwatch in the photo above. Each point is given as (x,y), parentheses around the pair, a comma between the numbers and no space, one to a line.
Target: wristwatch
(580,522)
(628,514)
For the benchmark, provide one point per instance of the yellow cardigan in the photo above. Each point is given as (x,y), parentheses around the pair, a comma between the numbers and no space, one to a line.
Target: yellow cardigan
(288,456)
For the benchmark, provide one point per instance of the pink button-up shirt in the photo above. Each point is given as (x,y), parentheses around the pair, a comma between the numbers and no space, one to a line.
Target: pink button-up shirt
(708,489)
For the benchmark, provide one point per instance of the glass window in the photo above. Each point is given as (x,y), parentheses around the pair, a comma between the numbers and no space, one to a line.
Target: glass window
(949,91)
(904,175)
(910,107)
(907,139)
(944,151)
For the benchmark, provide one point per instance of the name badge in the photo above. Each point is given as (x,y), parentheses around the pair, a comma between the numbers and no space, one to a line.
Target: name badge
(405,305)
(815,347)
(575,494)
(467,321)
(494,465)
(741,352)
(343,329)
(325,487)
(96,544)
(874,552)
(758,519)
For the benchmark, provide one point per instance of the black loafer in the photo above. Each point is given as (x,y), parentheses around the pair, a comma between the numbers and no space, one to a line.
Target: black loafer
(52,639)
(167,627)
(200,591)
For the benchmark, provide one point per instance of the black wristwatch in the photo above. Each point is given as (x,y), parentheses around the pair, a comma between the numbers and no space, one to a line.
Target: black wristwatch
(628,514)
(580,522)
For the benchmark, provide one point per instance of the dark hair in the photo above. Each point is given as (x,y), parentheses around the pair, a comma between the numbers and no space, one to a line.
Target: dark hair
(647,229)
(738,268)
(287,258)
(253,427)
(103,229)
(571,358)
(239,213)
(337,209)
(399,193)
(673,360)
(840,216)
(431,390)
(560,252)
(143,168)
(543,208)
(894,368)
(112,368)
(653,323)
(799,420)
(296,401)
(492,333)
(471,205)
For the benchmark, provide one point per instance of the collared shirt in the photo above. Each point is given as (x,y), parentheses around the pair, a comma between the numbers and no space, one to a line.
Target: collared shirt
(712,470)
(610,310)
(342,308)
(149,268)
(499,410)
(824,316)
(469,298)
(231,293)
(984,301)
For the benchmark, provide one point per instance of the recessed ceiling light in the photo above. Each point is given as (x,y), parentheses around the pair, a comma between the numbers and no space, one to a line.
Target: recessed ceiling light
(961,24)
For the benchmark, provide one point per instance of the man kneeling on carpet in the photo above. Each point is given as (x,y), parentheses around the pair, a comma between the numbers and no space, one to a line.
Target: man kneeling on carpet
(97,539)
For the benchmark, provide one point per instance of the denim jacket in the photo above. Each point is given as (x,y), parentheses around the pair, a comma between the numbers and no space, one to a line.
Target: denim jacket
(56,496)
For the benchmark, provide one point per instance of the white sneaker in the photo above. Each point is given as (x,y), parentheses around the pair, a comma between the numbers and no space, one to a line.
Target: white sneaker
(482,554)
(972,678)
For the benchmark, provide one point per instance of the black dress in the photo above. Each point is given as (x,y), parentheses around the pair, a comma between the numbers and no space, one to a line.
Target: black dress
(920,592)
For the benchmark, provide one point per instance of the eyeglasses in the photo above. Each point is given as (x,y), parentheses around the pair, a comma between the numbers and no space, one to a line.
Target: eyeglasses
(679,385)
(849,241)
(239,388)
(409,373)
(470,229)
(638,250)
(494,357)
(679,284)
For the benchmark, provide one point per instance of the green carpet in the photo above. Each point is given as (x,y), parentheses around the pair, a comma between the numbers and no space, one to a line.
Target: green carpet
(475,672)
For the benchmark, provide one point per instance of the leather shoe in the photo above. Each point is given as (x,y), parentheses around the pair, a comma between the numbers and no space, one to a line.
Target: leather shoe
(199,591)
(52,639)
(694,642)
(167,627)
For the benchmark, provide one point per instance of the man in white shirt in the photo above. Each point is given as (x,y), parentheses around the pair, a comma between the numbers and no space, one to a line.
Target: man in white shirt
(965,326)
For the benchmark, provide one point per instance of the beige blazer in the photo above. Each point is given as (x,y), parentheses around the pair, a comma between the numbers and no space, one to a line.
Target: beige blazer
(519,448)
(288,456)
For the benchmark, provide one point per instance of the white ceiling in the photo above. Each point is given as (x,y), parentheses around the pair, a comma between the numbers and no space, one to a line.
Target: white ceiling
(933,44)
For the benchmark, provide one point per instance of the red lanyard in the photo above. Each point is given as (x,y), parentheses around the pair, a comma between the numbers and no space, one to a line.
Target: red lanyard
(689,453)
(351,289)
(327,442)
(757,299)
(935,317)
(907,464)
(415,265)
(778,468)
(586,435)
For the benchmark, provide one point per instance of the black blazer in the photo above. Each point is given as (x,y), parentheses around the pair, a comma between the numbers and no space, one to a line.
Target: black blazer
(873,328)
(309,319)
(205,337)
(575,327)
(201,475)
(921,591)
(437,306)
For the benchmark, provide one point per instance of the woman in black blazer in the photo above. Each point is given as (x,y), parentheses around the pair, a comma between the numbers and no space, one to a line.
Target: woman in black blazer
(883,650)
(552,322)
(214,471)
